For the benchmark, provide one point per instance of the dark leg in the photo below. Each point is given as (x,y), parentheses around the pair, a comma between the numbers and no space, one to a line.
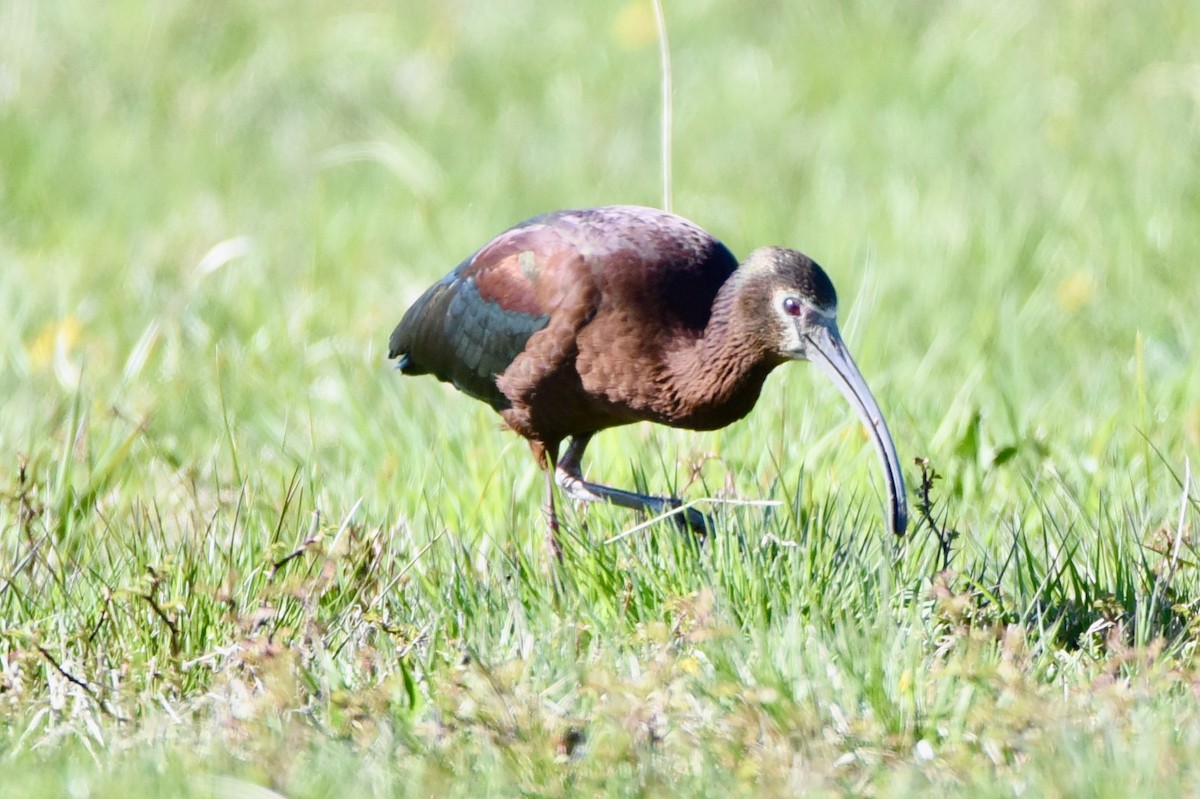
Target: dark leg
(570,479)
(546,454)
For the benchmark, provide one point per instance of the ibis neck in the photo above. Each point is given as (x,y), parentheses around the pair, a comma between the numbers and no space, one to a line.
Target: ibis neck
(720,376)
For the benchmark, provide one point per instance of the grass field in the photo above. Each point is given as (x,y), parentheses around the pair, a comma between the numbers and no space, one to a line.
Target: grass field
(239,555)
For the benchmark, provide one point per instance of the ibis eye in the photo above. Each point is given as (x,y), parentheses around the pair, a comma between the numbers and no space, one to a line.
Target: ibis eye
(791,306)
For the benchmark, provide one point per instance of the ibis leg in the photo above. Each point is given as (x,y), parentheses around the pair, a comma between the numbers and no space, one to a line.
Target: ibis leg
(569,475)
(546,455)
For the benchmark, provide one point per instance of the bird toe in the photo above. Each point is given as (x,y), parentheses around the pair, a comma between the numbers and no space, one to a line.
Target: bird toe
(693,520)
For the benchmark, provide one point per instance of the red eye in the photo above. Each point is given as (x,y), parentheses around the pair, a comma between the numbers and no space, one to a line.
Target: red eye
(791,306)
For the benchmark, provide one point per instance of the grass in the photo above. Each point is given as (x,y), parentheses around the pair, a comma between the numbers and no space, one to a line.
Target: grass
(238,555)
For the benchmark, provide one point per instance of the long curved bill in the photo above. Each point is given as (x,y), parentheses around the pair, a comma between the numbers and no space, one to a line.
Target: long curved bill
(829,353)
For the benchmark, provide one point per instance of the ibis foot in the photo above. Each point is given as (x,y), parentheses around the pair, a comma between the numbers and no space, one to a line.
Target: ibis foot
(570,480)
(693,520)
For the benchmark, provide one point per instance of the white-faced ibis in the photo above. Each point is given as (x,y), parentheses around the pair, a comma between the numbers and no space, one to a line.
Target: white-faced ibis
(576,321)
